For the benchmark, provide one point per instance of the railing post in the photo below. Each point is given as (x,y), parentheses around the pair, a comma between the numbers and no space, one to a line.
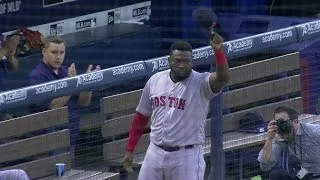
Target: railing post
(217,155)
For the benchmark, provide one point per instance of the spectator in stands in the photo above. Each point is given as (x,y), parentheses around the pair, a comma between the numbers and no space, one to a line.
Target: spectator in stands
(50,69)
(8,62)
(14,174)
(291,147)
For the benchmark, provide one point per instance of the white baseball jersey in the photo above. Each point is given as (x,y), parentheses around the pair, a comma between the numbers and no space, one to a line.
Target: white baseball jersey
(178,110)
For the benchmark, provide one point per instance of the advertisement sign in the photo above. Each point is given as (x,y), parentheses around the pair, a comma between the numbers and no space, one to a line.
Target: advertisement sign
(39,12)
(141,69)
(9,6)
(308,30)
(56,29)
(86,23)
(113,17)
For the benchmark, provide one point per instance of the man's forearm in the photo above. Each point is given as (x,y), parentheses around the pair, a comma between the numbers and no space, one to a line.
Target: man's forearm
(85,98)
(222,67)
(267,156)
(267,149)
(138,126)
(59,102)
(221,76)
(13,63)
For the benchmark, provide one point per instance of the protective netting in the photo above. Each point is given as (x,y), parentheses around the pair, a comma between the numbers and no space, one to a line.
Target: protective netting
(93,135)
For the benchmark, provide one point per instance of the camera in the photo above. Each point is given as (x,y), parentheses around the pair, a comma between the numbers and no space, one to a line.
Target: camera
(284,126)
(23,48)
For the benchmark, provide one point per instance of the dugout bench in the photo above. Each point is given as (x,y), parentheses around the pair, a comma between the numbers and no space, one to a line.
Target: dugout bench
(256,87)
(21,150)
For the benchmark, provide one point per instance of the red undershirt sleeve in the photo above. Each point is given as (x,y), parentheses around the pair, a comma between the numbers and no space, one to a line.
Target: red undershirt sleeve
(138,126)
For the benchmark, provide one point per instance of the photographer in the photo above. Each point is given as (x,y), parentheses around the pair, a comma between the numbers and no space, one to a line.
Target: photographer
(8,50)
(292,148)
(8,62)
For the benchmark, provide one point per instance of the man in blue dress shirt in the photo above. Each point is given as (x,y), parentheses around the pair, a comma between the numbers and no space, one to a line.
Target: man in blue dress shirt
(292,148)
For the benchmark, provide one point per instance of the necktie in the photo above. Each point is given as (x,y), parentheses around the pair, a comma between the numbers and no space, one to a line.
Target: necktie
(285,157)
(284,161)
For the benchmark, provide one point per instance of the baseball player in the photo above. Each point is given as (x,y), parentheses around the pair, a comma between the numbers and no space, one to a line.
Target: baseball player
(176,101)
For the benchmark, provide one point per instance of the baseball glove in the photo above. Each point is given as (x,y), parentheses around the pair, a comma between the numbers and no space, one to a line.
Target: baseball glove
(29,40)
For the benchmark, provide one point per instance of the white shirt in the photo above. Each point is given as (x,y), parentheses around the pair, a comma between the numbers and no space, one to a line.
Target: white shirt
(178,110)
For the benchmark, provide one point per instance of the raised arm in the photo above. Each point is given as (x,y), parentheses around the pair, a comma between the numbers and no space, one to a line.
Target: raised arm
(86,96)
(270,153)
(9,50)
(221,77)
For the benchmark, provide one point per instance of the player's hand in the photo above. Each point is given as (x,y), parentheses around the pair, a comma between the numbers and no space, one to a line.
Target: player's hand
(127,162)
(217,42)
(72,70)
(11,45)
(90,67)
(12,42)
(272,129)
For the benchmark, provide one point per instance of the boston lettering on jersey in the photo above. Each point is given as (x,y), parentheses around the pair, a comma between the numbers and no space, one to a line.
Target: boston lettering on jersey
(170,101)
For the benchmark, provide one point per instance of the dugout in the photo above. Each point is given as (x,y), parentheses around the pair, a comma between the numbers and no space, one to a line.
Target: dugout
(107,45)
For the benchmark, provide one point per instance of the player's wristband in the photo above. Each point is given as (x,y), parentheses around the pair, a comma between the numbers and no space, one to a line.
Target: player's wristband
(139,124)
(220,57)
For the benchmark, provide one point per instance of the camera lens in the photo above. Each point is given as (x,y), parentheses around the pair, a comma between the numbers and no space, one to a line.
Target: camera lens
(284,126)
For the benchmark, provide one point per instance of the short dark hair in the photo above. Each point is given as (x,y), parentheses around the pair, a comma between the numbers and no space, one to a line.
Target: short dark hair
(181,46)
(293,114)
(53,39)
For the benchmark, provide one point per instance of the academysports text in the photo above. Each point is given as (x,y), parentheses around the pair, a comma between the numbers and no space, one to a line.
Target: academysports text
(127,69)
(51,87)
(276,36)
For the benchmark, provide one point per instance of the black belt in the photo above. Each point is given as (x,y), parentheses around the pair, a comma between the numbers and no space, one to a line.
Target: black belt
(174,148)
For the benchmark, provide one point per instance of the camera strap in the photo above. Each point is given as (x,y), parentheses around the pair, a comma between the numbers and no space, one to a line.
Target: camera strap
(300,149)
